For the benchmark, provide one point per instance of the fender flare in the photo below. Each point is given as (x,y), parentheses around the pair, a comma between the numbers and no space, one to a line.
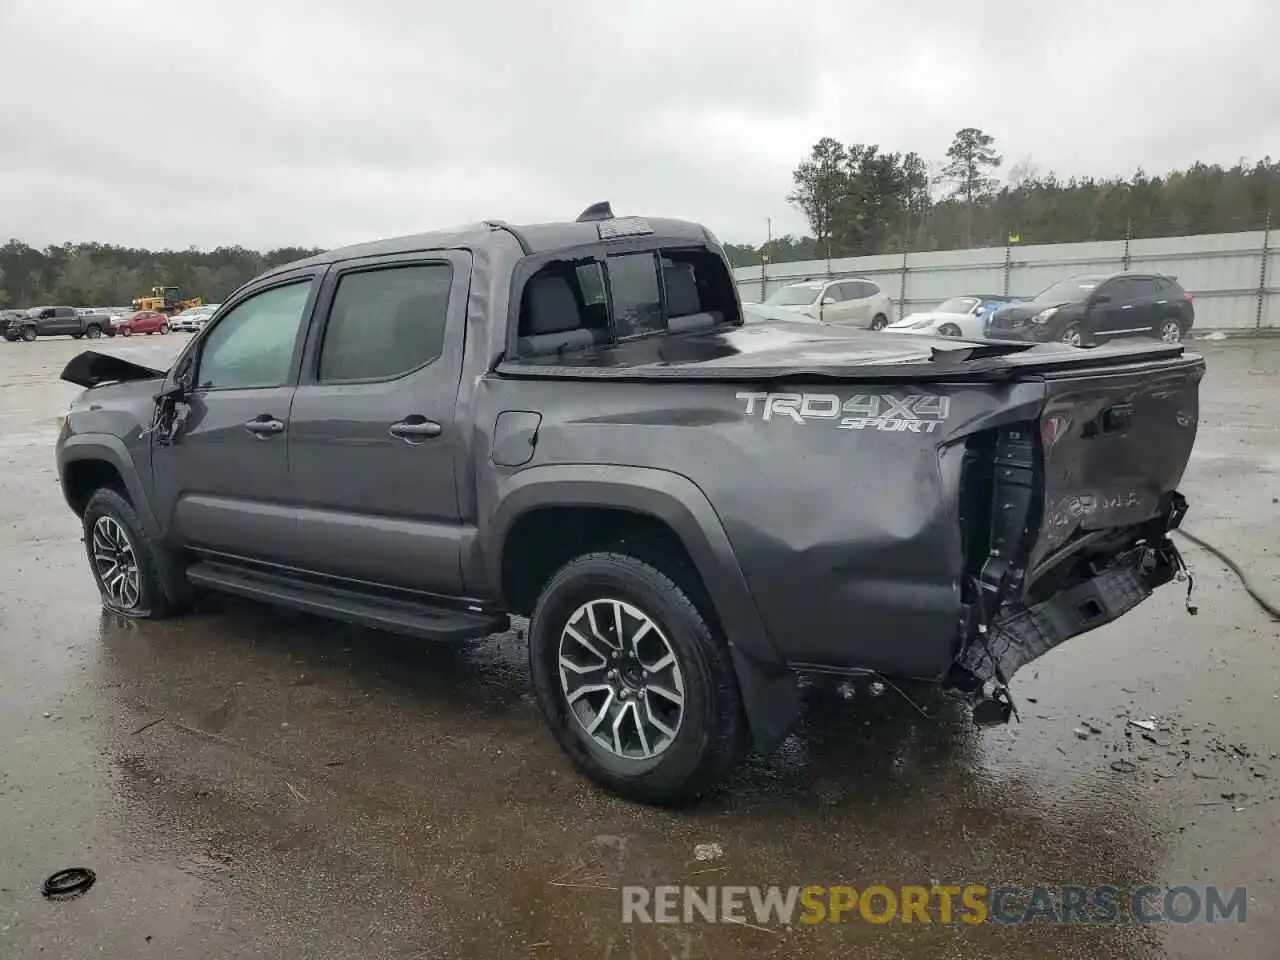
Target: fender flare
(769,689)
(108,449)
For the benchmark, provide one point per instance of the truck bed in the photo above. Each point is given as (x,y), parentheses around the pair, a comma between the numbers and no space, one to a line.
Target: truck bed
(792,351)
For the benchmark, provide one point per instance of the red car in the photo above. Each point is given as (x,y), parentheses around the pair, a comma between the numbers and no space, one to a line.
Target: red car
(144,321)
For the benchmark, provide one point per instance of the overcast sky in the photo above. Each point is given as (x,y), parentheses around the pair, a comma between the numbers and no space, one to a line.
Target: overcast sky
(323,122)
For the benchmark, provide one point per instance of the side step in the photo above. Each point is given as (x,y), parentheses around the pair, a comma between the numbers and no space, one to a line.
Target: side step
(339,603)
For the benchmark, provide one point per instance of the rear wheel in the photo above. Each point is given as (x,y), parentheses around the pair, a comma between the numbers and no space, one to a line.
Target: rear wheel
(137,577)
(637,689)
(1170,330)
(28,334)
(879,322)
(93,331)
(949,330)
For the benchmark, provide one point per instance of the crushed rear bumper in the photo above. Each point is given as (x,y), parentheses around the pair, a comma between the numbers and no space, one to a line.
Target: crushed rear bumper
(1025,633)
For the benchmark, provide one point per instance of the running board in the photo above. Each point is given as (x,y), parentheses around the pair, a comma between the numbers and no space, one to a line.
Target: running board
(365,610)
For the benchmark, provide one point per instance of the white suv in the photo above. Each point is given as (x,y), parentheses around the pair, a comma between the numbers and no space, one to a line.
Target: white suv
(849,302)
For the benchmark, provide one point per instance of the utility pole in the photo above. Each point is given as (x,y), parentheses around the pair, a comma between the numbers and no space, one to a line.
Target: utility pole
(764,259)
(1262,270)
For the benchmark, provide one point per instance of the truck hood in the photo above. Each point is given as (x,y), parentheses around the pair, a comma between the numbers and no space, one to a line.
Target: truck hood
(777,350)
(92,368)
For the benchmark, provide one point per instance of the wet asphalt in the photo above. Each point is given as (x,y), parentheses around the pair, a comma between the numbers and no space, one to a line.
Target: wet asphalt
(251,783)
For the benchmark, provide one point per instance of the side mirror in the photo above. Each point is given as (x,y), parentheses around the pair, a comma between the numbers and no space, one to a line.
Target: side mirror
(1102,298)
(827,301)
(980,311)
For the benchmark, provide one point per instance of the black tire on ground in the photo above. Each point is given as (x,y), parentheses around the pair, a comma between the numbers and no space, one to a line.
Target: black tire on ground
(161,590)
(1169,330)
(164,328)
(29,334)
(126,331)
(711,736)
(76,336)
(879,322)
(1074,335)
(949,330)
(93,331)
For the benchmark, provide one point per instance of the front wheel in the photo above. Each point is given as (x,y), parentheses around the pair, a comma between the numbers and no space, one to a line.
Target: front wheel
(126,331)
(637,689)
(164,328)
(1170,331)
(29,334)
(879,322)
(949,330)
(1072,336)
(137,578)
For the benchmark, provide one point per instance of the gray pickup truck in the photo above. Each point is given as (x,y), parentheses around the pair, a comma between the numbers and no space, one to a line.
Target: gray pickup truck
(57,322)
(570,422)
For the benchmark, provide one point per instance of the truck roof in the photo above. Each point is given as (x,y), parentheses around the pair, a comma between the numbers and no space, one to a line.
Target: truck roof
(534,238)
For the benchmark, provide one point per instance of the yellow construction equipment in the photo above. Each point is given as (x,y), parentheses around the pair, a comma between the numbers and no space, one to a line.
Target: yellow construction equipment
(166,300)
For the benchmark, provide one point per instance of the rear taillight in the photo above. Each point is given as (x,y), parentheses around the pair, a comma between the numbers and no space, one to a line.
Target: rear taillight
(1190,298)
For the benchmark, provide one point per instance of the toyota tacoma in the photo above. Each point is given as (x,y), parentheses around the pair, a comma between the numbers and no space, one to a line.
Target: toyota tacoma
(569,422)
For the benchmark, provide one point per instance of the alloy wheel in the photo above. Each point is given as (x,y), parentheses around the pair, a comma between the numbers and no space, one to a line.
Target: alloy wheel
(621,679)
(116,563)
(1171,331)
(1072,337)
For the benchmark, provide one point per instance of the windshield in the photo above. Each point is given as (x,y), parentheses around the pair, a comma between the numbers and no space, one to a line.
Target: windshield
(1065,291)
(796,295)
(957,305)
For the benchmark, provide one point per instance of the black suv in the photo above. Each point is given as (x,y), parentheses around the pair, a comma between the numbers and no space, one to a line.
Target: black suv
(1090,309)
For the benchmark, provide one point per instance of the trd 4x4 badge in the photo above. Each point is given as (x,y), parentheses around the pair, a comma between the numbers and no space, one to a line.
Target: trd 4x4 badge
(915,413)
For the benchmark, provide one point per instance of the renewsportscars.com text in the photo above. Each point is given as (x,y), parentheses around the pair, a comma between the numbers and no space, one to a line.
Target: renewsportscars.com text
(969,904)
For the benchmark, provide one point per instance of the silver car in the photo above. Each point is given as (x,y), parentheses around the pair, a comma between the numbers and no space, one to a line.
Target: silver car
(847,302)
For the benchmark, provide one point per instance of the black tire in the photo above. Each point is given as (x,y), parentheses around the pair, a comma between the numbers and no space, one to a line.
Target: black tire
(949,330)
(29,334)
(126,332)
(161,586)
(1169,330)
(1074,335)
(93,331)
(711,737)
(164,328)
(77,336)
(879,322)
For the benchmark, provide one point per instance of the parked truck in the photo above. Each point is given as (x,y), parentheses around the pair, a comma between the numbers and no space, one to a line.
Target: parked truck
(570,422)
(56,322)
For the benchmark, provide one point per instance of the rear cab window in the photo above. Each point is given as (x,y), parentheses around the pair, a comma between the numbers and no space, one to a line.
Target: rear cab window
(615,297)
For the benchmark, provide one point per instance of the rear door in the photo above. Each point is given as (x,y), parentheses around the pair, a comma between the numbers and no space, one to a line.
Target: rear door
(1109,315)
(374,444)
(223,486)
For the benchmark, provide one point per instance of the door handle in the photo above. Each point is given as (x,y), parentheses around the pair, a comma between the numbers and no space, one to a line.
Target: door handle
(414,429)
(264,426)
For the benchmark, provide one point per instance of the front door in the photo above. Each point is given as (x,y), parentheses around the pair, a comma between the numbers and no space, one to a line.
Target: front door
(223,484)
(373,440)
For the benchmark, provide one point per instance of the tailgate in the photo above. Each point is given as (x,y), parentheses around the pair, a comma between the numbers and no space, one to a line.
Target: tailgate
(1114,445)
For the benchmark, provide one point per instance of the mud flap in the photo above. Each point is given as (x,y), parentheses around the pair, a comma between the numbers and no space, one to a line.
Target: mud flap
(1018,637)
(771,702)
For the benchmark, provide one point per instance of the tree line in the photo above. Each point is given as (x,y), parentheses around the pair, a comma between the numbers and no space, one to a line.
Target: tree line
(860,200)
(857,198)
(102,275)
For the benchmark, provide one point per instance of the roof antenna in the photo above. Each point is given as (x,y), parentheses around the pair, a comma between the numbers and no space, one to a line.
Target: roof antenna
(597,211)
